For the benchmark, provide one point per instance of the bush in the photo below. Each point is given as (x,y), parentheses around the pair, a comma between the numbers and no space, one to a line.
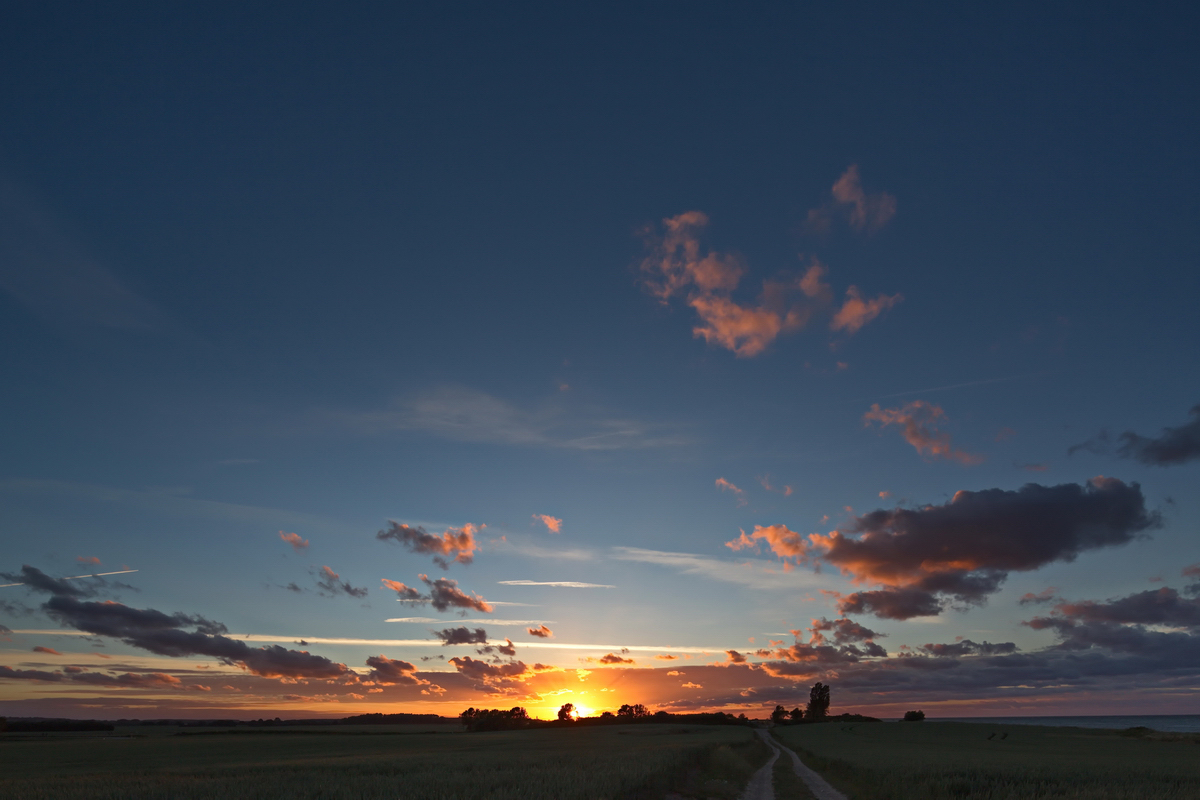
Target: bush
(914,716)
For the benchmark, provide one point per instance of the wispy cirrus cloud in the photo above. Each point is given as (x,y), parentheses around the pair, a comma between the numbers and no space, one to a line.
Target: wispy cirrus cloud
(726,486)
(751,573)
(467,415)
(42,269)
(918,422)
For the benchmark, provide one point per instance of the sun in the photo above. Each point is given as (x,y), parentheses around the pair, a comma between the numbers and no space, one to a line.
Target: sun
(583,711)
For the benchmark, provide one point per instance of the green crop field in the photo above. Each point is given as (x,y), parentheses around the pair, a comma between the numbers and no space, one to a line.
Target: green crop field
(409,762)
(980,761)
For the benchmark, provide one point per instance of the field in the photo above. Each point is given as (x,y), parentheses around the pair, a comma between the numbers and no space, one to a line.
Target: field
(409,762)
(977,761)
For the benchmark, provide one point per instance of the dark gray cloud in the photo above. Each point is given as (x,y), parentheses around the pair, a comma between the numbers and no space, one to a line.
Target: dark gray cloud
(444,594)
(962,551)
(331,584)
(457,542)
(903,603)
(1172,446)
(844,631)
(166,634)
(462,635)
(966,647)
(1154,607)
(392,672)
(38,581)
(613,658)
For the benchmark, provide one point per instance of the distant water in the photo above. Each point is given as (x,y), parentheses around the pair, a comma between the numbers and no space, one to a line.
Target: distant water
(1167,723)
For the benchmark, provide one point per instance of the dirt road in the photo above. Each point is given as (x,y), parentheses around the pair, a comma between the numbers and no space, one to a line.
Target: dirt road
(761,787)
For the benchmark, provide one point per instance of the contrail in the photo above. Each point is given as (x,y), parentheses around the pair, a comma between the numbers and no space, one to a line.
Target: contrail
(77,577)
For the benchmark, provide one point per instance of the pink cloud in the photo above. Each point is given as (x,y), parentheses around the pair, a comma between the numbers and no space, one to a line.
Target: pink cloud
(857,312)
(918,422)
(88,560)
(863,210)
(726,486)
(553,524)
(298,544)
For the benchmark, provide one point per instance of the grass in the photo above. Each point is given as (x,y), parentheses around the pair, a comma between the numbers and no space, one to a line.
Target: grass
(585,764)
(981,761)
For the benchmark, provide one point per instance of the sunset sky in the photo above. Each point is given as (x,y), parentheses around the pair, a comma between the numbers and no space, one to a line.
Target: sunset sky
(681,354)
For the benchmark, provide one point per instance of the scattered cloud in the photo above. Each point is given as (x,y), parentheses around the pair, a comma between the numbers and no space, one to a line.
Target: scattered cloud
(863,210)
(461,635)
(613,658)
(391,672)
(726,486)
(964,550)
(443,595)
(457,542)
(553,524)
(856,312)
(330,584)
(95,562)
(298,544)
(675,265)
(542,632)
(1044,596)
(735,657)
(754,574)
(765,480)
(47,650)
(167,634)
(1171,447)
(918,422)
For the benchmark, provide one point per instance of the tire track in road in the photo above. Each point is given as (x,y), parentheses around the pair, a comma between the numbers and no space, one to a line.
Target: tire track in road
(760,786)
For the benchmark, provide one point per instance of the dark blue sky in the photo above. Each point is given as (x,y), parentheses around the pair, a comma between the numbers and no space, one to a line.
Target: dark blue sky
(308,269)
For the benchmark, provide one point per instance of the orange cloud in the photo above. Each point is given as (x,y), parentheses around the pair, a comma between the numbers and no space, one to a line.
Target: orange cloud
(613,658)
(459,542)
(860,208)
(554,524)
(765,480)
(918,421)
(856,312)
(88,560)
(666,658)
(726,486)
(542,632)
(783,541)
(298,544)
(47,650)
(676,266)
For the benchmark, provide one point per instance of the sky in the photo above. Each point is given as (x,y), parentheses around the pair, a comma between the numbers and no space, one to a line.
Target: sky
(385,359)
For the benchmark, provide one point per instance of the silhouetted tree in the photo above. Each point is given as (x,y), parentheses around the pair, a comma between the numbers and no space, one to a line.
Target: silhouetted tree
(632,711)
(778,715)
(796,714)
(914,716)
(494,719)
(818,702)
(567,712)
(607,715)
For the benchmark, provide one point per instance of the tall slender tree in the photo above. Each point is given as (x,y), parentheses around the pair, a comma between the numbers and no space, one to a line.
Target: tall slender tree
(818,702)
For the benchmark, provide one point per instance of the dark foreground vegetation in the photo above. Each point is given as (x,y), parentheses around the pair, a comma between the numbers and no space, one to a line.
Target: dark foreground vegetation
(369,761)
(982,761)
